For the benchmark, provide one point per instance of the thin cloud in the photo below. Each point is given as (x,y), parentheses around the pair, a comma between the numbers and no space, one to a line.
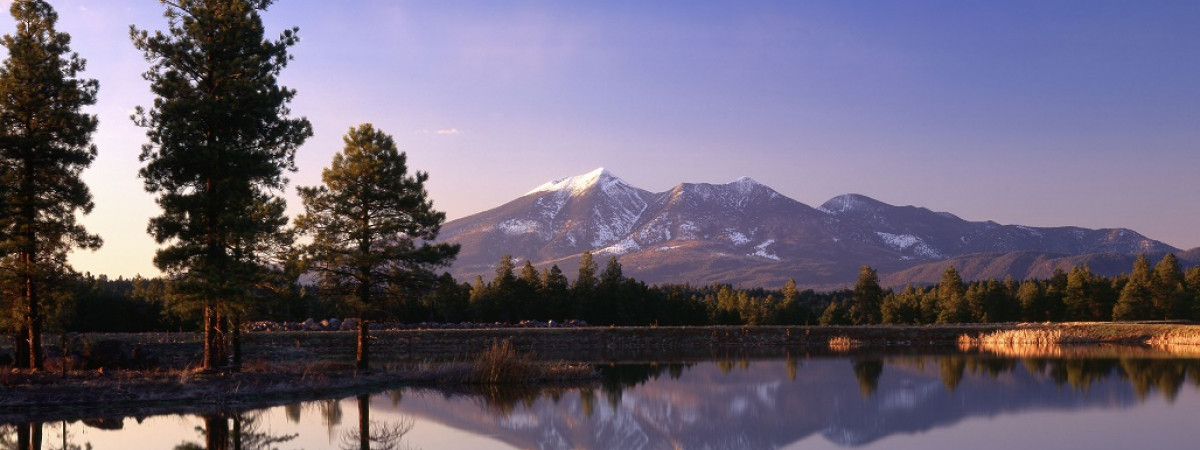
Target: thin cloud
(448,131)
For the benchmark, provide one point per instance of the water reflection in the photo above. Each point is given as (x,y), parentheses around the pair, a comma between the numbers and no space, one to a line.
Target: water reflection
(854,401)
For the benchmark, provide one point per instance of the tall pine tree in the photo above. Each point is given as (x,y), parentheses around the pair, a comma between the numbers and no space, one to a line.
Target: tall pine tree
(372,225)
(45,142)
(1137,297)
(220,140)
(867,298)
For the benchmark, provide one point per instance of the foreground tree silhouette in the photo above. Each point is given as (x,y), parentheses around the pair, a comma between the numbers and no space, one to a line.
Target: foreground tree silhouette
(220,140)
(372,226)
(45,142)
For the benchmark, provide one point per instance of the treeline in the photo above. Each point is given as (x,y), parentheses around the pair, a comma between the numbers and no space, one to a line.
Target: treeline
(1163,291)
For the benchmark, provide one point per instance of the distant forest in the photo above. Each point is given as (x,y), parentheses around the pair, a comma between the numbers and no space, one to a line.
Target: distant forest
(606,296)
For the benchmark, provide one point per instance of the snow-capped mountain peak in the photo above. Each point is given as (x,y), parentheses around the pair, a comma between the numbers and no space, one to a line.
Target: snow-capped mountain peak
(579,184)
(745,232)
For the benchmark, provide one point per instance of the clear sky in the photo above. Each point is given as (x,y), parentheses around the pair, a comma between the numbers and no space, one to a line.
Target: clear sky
(1024,112)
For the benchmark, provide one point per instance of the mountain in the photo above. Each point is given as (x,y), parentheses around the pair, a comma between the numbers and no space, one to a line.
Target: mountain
(746,233)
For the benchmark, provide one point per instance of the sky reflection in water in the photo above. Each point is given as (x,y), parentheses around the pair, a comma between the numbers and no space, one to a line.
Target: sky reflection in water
(948,401)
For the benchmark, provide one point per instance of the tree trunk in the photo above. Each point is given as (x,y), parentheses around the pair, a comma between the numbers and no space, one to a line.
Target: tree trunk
(21,346)
(216,432)
(35,432)
(34,327)
(221,329)
(210,336)
(362,361)
(33,311)
(235,341)
(364,422)
(29,436)
(237,432)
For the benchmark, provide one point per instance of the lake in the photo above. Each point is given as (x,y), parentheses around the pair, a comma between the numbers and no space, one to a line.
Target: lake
(917,401)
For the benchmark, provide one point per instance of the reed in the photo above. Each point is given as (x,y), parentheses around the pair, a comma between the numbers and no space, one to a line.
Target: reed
(502,364)
(1177,337)
(844,343)
(1026,342)
(1027,337)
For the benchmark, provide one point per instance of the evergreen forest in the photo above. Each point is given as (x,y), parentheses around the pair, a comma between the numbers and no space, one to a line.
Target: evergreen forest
(1163,291)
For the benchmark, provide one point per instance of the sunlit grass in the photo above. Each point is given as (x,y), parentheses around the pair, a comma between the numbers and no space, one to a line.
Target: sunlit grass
(1025,342)
(844,343)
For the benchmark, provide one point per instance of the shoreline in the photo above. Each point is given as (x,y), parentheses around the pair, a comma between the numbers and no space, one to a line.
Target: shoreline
(316,361)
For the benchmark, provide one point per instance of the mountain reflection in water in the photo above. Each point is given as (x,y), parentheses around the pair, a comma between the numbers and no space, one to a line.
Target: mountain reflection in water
(736,403)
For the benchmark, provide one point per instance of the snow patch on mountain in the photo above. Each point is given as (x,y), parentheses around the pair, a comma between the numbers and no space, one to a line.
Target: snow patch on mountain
(552,205)
(745,185)
(688,230)
(1030,230)
(908,242)
(515,227)
(898,241)
(737,237)
(618,224)
(761,250)
(658,230)
(620,248)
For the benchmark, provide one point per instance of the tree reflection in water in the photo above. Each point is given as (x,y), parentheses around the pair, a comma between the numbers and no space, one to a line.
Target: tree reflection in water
(234,431)
(372,435)
(23,436)
(867,371)
(699,401)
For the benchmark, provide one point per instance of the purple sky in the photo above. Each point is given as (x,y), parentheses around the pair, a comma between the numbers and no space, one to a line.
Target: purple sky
(1028,112)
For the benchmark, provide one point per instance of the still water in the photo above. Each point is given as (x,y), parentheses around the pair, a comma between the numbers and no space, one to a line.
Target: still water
(895,402)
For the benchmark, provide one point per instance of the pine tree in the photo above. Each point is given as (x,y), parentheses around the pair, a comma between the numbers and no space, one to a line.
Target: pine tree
(45,142)
(1192,300)
(556,291)
(480,302)
(952,298)
(503,290)
(790,309)
(220,141)
(372,225)
(583,290)
(529,284)
(1136,301)
(609,302)
(1170,296)
(1079,297)
(1032,299)
(867,298)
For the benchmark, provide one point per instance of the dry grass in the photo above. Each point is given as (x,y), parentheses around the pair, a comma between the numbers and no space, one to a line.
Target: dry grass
(844,343)
(1180,341)
(502,364)
(1026,342)
(1176,337)
(1028,336)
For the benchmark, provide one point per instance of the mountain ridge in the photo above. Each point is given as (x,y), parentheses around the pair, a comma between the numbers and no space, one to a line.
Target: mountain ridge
(744,232)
